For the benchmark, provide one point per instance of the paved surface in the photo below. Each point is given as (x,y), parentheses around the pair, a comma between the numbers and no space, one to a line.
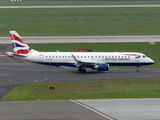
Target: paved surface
(46,110)
(127,109)
(21,73)
(83,39)
(107,109)
(80,6)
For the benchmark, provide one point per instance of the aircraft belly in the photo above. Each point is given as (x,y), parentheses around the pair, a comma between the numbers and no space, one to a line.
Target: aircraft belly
(130,64)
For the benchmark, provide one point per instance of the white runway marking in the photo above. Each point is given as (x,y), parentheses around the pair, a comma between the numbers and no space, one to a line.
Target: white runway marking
(25,69)
(65,67)
(82,6)
(105,116)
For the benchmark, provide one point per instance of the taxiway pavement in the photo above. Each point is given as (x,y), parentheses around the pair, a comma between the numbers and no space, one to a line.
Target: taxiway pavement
(46,110)
(127,109)
(103,109)
(84,39)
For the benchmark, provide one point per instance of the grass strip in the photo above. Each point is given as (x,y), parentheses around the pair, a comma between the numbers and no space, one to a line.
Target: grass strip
(86,90)
(80,21)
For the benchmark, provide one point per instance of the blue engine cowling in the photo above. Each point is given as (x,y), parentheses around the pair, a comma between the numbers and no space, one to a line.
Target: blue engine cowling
(102,67)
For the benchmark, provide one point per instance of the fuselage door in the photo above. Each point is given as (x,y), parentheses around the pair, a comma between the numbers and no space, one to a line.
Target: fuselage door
(41,57)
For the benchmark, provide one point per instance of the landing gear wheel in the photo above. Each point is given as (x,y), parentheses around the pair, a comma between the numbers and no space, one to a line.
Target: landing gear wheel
(81,70)
(138,70)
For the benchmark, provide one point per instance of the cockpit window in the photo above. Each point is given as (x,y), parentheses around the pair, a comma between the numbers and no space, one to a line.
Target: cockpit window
(138,56)
(143,56)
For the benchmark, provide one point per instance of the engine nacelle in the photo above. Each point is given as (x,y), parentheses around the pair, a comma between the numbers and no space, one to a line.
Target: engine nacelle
(102,67)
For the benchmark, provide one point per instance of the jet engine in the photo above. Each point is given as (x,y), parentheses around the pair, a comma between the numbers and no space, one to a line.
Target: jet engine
(102,67)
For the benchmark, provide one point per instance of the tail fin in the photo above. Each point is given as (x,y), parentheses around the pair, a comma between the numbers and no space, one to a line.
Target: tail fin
(19,46)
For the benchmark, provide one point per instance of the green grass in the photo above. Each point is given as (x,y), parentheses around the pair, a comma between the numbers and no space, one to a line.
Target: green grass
(86,90)
(81,21)
(151,51)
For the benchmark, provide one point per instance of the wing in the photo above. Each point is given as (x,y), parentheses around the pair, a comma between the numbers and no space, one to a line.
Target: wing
(81,63)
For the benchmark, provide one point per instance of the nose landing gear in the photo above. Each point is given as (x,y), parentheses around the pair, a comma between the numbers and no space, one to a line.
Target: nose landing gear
(138,69)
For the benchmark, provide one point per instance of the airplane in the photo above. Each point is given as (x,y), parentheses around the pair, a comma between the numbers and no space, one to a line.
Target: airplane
(100,61)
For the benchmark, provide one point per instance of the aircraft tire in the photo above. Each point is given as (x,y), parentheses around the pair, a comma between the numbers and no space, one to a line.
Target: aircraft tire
(81,70)
(138,70)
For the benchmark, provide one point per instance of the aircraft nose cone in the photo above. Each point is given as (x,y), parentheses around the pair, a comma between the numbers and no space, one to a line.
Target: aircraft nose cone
(152,62)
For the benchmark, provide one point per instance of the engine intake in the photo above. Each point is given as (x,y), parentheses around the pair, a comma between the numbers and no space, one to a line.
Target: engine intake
(102,67)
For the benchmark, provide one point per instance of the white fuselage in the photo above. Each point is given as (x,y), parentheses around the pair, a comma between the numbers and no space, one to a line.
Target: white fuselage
(111,58)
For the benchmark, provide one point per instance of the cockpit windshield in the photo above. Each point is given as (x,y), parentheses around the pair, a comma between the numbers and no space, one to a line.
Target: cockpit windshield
(143,56)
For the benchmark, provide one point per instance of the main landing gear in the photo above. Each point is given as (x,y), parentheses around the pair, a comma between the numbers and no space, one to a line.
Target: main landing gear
(81,70)
(138,69)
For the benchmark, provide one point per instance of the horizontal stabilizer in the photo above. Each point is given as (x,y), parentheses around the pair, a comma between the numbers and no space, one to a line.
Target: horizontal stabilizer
(10,54)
